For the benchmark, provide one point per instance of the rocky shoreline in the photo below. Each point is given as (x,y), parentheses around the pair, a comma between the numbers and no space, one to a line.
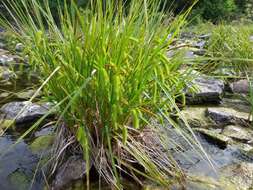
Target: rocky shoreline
(217,111)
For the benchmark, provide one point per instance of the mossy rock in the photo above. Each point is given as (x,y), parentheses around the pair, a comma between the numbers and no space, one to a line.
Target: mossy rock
(42,143)
(196,117)
(6,123)
(240,175)
(216,138)
(19,180)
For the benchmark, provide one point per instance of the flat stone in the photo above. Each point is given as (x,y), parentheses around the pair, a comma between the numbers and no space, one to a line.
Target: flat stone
(237,133)
(225,116)
(240,174)
(237,103)
(23,112)
(196,116)
(216,138)
(73,169)
(205,36)
(25,95)
(241,86)
(208,90)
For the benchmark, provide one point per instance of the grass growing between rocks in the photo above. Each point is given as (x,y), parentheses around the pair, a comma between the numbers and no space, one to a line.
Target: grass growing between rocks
(231,47)
(111,78)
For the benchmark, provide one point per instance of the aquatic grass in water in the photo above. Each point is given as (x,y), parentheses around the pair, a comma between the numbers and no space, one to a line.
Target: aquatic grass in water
(111,78)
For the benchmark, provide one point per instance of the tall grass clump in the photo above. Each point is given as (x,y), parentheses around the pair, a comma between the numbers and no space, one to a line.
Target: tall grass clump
(231,47)
(111,79)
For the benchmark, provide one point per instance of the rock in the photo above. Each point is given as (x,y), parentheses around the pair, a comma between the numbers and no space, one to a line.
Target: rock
(240,174)
(5,95)
(238,103)
(23,112)
(227,71)
(189,55)
(19,180)
(25,95)
(19,47)
(73,169)
(241,86)
(5,60)
(209,90)
(225,116)
(205,36)
(45,131)
(200,52)
(246,151)
(5,123)
(6,74)
(196,116)
(42,144)
(216,138)
(13,61)
(200,44)
(237,133)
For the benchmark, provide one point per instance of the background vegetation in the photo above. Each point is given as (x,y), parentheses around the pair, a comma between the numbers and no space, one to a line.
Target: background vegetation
(212,10)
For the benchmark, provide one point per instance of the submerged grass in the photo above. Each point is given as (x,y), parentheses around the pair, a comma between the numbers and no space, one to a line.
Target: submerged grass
(111,78)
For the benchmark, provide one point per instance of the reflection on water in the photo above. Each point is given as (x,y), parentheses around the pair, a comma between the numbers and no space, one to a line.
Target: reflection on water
(17,166)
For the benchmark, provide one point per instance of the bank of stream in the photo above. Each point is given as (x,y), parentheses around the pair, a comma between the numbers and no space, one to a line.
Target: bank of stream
(218,113)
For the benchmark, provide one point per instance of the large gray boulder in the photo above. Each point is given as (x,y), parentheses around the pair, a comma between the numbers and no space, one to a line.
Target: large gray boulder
(23,112)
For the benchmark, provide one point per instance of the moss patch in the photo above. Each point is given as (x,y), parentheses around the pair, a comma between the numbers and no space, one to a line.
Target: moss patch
(42,143)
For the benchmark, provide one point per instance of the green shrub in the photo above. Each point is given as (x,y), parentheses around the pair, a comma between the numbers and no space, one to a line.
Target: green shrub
(215,10)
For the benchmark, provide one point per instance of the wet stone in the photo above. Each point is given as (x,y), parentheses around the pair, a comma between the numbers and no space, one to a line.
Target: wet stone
(241,86)
(225,116)
(17,166)
(45,131)
(73,169)
(209,90)
(19,180)
(215,137)
(196,116)
(237,133)
(240,174)
(237,103)
(23,112)
(42,144)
